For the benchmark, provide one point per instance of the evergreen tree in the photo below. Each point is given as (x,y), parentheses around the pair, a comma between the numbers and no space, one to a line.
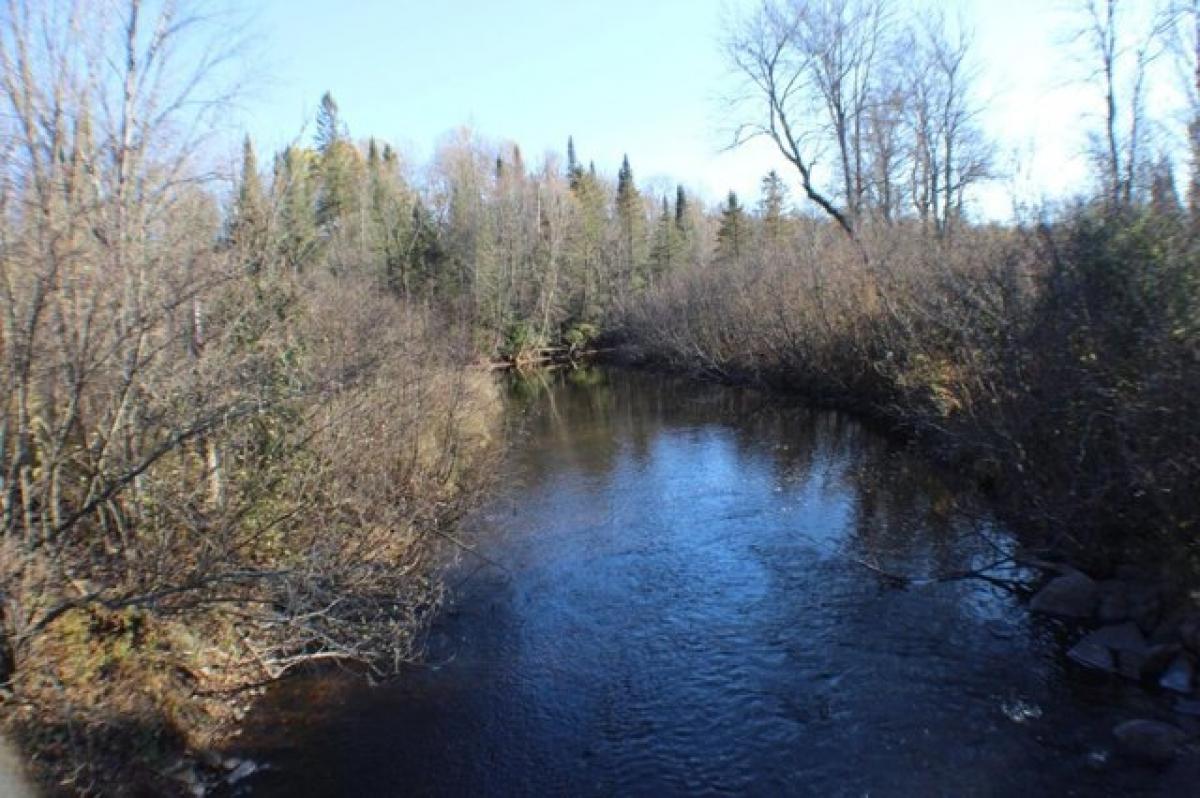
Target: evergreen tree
(339,168)
(293,189)
(731,235)
(248,223)
(422,253)
(329,124)
(772,209)
(667,250)
(631,230)
(625,186)
(586,249)
(574,170)
(681,220)
(389,222)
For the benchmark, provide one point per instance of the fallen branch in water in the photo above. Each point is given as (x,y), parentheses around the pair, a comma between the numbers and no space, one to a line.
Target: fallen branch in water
(901,580)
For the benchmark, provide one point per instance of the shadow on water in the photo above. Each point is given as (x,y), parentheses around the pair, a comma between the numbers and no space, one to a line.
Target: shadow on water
(685,613)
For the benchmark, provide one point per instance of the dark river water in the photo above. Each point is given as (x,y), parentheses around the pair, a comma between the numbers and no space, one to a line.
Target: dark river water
(684,610)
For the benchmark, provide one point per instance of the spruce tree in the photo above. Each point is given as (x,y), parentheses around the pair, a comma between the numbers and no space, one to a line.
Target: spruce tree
(574,170)
(668,239)
(329,124)
(247,225)
(631,223)
(772,208)
(339,168)
(731,235)
(293,192)
(586,249)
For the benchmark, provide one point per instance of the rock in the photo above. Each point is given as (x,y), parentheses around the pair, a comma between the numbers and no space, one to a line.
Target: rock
(1071,596)
(1093,655)
(1128,601)
(1167,630)
(1114,602)
(1158,658)
(1129,664)
(1149,741)
(242,771)
(1119,648)
(1120,637)
(1189,633)
(1179,675)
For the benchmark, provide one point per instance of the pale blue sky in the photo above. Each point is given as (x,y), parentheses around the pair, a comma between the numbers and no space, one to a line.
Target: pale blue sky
(635,76)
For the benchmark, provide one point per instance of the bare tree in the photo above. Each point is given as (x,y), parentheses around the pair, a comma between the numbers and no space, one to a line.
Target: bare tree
(874,116)
(949,153)
(1121,56)
(811,73)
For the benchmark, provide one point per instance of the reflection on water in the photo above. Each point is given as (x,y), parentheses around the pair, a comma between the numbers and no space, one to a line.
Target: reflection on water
(686,611)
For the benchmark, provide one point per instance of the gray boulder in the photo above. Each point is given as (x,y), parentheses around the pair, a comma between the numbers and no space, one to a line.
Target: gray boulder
(1158,658)
(1128,601)
(1179,675)
(1090,654)
(1071,596)
(1149,741)
(1119,648)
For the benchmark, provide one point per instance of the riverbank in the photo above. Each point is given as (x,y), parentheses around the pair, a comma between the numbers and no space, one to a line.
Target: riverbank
(681,607)
(338,511)
(1135,619)
(1030,361)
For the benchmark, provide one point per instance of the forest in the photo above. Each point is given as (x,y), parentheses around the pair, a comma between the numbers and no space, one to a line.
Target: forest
(245,408)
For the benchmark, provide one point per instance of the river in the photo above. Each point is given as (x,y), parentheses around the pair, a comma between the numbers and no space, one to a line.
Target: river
(685,609)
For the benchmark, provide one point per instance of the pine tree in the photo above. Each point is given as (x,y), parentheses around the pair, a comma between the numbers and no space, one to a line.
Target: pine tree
(631,230)
(731,235)
(293,192)
(248,222)
(388,222)
(681,220)
(625,186)
(586,249)
(339,168)
(329,124)
(422,253)
(772,209)
(668,242)
(574,170)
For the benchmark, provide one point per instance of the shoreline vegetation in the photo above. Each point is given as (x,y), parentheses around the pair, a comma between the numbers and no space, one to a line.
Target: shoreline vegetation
(245,407)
